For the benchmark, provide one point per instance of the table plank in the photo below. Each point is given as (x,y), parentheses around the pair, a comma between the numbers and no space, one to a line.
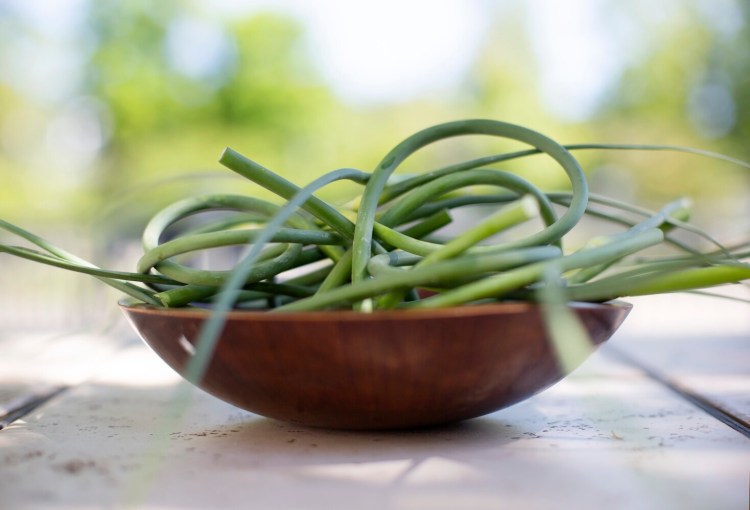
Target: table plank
(606,437)
(38,367)
(699,344)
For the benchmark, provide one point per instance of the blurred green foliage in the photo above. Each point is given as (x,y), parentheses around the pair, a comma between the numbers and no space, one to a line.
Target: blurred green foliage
(265,97)
(692,89)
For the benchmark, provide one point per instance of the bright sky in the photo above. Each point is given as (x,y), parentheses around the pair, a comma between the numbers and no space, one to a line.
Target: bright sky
(370,53)
(389,50)
(395,50)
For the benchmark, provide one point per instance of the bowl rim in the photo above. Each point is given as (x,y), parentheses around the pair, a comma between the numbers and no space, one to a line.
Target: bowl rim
(464,311)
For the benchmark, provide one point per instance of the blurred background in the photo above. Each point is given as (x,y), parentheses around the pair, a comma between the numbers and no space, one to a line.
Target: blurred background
(110,110)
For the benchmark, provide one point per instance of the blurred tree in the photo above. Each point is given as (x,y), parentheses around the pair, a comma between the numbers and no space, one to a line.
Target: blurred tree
(691,88)
(179,86)
(728,66)
(172,83)
(13,181)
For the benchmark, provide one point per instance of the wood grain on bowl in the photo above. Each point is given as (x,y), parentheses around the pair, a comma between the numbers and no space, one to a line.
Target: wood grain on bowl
(382,370)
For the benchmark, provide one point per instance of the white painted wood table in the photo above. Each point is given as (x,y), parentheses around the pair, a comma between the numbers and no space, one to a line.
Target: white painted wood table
(614,435)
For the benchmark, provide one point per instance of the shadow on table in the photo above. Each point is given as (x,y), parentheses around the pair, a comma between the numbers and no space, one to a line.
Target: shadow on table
(278,439)
(448,453)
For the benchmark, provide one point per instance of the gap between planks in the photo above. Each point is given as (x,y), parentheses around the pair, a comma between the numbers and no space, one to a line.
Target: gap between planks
(713,409)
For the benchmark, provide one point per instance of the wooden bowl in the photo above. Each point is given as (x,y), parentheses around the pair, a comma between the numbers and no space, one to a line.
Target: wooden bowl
(383,370)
